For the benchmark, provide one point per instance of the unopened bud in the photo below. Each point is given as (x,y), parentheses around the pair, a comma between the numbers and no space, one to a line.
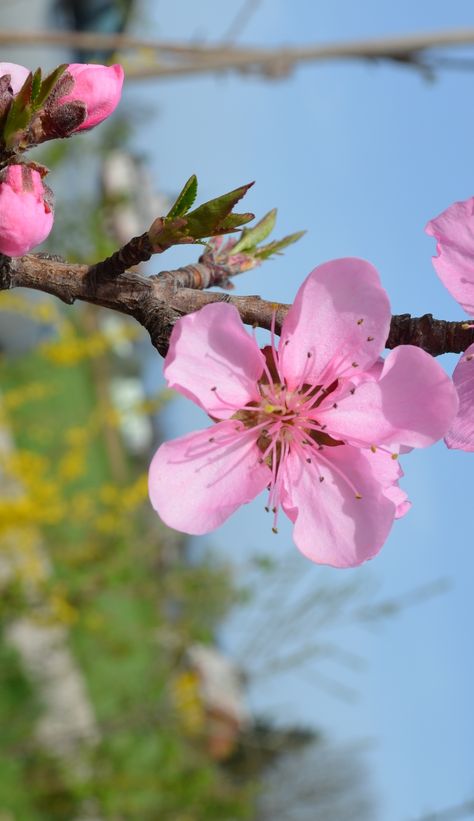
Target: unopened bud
(26,213)
(97,87)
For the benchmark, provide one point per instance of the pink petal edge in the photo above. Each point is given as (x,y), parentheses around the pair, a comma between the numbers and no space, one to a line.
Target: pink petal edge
(196,482)
(332,526)
(453,230)
(461,433)
(412,404)
(213,360)
(341,315)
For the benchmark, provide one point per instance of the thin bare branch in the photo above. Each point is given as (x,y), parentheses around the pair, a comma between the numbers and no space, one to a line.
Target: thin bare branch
(181,59)
(241,19)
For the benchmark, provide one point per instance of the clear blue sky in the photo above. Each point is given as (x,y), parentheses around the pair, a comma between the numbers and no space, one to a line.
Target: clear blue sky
(361,156)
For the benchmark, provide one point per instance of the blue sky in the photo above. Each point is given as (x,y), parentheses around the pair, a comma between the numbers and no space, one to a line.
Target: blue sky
(361,156)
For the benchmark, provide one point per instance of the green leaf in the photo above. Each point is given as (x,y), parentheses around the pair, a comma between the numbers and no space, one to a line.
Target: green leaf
(251,237)
(234,221)
(16,125)
(47,86)
(185,199)
(20,112)
(36,84)
(210,219)
(206,220)
(277,246)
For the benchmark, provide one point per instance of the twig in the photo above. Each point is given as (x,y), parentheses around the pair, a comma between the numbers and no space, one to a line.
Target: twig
(239,22)
(134,252)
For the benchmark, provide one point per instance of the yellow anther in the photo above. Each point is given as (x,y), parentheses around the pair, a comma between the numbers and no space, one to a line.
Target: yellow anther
(373,449)
(358,496)
(394,455)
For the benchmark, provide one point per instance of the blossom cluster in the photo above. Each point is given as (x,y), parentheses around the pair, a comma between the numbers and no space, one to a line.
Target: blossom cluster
(83,96)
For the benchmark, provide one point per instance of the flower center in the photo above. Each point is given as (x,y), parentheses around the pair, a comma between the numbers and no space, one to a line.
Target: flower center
(290,418)
(288,423)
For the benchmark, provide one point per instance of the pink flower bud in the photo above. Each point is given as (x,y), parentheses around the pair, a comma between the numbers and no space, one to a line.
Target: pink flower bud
(98,87)
(26,215)
(17,73)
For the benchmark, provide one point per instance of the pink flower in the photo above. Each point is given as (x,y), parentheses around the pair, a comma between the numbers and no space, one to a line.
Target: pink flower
(18,75)
(26,215)
(318,422)
(98,87)
(454,233)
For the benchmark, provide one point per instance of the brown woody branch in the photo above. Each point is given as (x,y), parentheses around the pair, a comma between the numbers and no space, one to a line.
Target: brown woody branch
(156,302)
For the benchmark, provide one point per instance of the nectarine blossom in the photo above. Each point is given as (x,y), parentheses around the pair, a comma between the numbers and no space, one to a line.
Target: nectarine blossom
(318,422)
(453,230)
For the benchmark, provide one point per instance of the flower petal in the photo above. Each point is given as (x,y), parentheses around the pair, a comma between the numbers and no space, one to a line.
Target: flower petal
(399,498)
(341,315)
(461,432)
(412,404)
(197,481)
(387,471)
(332,526)
(18,75)
(454,231)
(213,360)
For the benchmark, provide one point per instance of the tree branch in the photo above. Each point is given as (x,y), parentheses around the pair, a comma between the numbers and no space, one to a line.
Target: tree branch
(156,302)
(181,59)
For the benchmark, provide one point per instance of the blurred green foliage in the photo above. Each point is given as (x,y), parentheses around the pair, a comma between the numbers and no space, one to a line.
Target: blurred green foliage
(81,550)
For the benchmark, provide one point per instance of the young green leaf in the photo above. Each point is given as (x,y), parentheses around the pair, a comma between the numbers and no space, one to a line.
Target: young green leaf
(210,219)
(36,84)
(234,221)
(277,246)
(20,112)
(185,199)
(206,220)
(251,237)
(42,94)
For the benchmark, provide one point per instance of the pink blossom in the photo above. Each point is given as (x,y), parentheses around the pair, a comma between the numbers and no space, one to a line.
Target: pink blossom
(26,215)
(18,75)
(98,87)
(453,230)
(318,422)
